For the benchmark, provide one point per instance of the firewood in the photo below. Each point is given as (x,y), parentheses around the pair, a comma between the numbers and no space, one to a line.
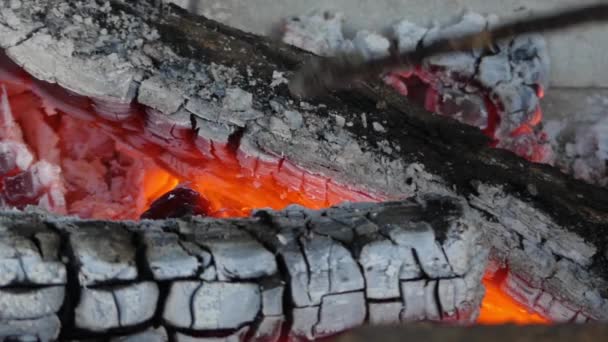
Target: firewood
(229,87)
(298,268)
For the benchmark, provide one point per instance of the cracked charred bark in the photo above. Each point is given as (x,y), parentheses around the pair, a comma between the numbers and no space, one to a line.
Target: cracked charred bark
(242,276)
(546,227)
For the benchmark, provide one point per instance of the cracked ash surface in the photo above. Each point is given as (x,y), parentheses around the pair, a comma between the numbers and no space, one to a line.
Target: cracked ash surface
(230,84)
(291,272)
(90,49)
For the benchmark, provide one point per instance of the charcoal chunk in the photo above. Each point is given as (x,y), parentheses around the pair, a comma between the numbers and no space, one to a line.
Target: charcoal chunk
(179,202)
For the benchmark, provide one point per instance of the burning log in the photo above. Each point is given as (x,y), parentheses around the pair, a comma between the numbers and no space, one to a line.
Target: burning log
(178,88)
(496,88)
(221,276)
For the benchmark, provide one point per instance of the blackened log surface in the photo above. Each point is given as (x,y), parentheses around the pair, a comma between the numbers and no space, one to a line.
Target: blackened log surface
(507,333)
(454,156)
(295,271)
(231,85)
(455,151)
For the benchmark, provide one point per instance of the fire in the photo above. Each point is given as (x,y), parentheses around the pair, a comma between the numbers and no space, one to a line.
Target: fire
(74,161)
(498,308)
(426,89)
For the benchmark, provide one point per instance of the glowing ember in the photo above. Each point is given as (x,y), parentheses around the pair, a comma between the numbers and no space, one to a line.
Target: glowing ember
(59,153)
(496,89)
(102,175)
(498,308)
(476,107)
(178,202)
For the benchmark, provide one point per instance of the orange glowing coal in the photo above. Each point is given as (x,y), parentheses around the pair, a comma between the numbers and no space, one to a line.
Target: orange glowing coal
(423,87)
(59,152)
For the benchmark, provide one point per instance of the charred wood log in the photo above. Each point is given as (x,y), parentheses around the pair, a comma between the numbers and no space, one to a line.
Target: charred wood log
(295,268)
(231,87)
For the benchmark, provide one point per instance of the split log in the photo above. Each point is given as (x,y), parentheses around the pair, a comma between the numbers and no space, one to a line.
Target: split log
(546,227)
(296,268)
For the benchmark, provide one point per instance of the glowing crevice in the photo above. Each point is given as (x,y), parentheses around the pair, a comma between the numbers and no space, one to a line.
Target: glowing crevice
(115,169)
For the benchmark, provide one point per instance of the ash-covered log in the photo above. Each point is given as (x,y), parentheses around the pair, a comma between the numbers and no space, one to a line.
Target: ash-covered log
(303,273)
(229,87)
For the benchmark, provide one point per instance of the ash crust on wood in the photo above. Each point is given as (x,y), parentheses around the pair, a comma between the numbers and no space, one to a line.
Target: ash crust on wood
(322,290)
(456,157)
(196,62)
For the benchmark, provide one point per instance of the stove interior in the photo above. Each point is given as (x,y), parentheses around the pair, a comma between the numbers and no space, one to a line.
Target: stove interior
(95,158)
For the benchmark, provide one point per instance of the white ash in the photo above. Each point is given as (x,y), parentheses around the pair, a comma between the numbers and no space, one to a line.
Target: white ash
(508,72)
(318,32)
(237,99)
(494,70)
(294,119)
(17,22)
(223,74)
(530,60)
(378,127)
(457,63)
(279,126)
(84,29)
(278,78)
(340,120)
(581,143)
(408,34)
(371,45)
